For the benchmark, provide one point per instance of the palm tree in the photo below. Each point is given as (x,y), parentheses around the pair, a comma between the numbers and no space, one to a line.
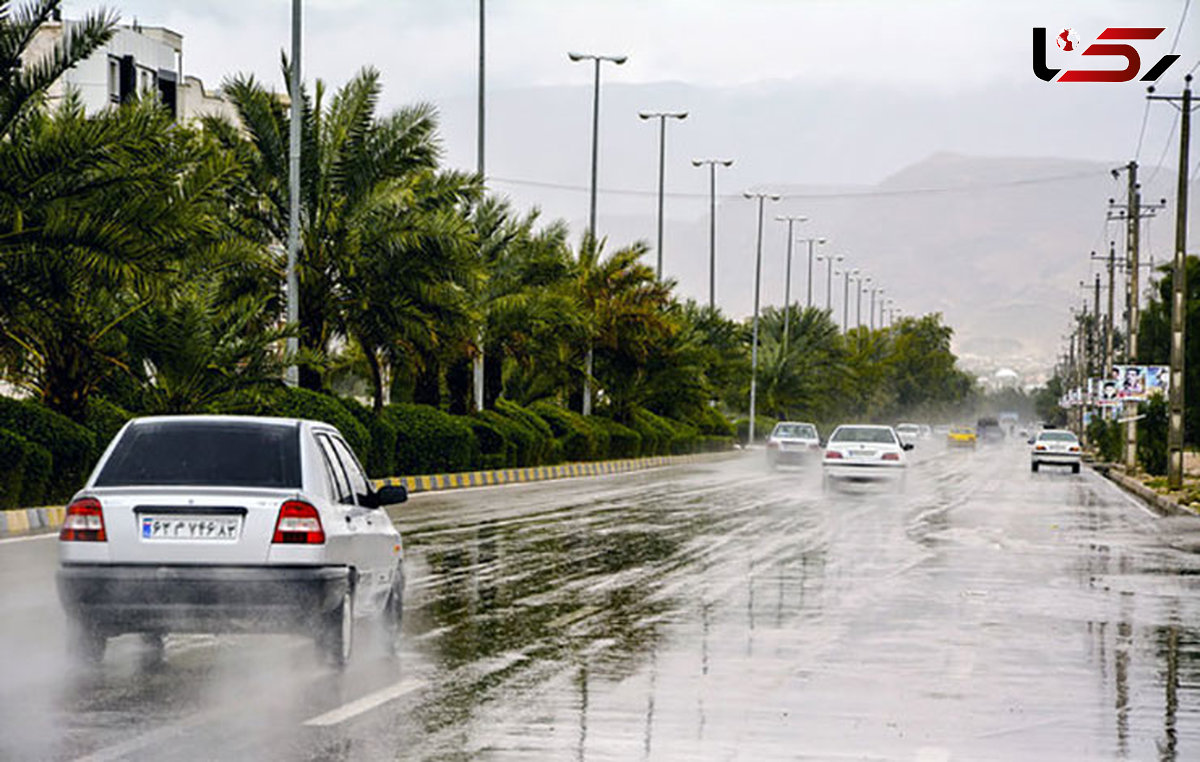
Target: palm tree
(371,199)
(22,80)
(96,212)
(809,379)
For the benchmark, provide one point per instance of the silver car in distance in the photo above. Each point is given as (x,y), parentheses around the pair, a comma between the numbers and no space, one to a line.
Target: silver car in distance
(1055,447)
(864,453)
(229,523)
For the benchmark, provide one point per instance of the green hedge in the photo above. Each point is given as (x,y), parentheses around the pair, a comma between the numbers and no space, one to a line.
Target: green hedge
(293,402)
(12,468)
(72,448)
(430,441)
(524,445)
(495,451)
(623,442)
(657,433)
(549,451)
(575,435)
(104,420)
(711,423)
(39,470)
(762,427)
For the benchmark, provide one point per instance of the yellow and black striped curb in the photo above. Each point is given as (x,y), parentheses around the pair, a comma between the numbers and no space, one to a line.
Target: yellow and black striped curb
(25,520)
(436,482)
(31,519)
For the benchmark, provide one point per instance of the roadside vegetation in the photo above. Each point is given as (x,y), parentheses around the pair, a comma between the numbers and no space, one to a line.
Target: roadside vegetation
(142,272)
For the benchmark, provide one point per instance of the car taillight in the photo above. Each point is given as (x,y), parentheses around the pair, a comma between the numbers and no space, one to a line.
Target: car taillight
(1040,447)
(772,444)
(1074,448)
(832,455)
(84,522)
(299,523)
(891,456)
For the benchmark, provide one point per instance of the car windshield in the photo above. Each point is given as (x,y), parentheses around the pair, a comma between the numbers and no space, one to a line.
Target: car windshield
(205,454)
(872,434)
(796,430)
(1057,436)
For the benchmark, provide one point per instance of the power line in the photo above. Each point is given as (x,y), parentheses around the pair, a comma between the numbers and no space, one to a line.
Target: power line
(813,196)
(1142,132)
(1179,29)
(1166,147)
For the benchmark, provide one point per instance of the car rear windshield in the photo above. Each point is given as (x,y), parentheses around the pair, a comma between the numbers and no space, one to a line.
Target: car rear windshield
(797,430)
(1057,436)
(205,454)
(863,434)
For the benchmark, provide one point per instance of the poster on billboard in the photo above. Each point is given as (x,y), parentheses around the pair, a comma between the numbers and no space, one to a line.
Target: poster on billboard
(1104,391)
(1135,383)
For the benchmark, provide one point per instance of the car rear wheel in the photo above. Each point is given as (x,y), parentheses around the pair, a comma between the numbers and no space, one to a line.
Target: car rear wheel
(335,635)
(1033,466)
(85,643)
(1074,468)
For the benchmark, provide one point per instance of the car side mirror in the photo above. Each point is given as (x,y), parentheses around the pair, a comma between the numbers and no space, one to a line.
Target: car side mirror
(385,496)
(1031,441)
(908,446)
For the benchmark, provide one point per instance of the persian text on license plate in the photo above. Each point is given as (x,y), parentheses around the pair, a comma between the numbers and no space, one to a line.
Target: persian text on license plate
(190,527)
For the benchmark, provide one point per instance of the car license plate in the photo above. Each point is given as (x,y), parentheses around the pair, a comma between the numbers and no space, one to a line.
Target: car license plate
(191,527)
(861,453)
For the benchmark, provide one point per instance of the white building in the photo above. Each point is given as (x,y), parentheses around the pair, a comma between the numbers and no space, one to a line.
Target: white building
(137,60)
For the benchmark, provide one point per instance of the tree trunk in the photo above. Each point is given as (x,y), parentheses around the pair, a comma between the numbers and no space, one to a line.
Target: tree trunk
(459,377)
(493,375)
(428,387)
(376,377)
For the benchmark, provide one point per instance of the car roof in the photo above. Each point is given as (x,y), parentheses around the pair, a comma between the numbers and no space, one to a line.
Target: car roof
(863,426)
(257,419)
(795,423)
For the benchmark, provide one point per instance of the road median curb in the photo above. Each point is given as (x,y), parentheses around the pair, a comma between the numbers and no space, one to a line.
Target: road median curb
(1160,504)
(25,521)
(442,482)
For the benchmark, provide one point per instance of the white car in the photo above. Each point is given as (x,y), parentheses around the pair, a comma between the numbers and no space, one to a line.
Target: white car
(792,442)
(229,523)
(1055,447)
(909,433)
(864,453)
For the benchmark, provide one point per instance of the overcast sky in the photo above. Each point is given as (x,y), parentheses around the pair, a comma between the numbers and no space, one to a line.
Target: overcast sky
(802,92)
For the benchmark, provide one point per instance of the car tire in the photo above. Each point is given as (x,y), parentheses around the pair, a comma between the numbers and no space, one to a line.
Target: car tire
(1033,466)
(1074,468)
(85,643)
(335,635)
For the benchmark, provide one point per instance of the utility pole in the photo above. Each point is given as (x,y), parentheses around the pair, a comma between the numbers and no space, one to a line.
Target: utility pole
(761,197)
(292,374)
(477,368)
(1131,238)
(1178,289)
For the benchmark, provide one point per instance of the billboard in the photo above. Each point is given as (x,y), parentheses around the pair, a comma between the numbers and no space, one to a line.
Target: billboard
(1129,383)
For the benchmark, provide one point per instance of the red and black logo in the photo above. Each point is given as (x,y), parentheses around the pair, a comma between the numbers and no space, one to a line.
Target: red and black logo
(1068,43)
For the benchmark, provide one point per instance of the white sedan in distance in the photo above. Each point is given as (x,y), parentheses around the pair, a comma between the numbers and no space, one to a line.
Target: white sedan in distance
(792,442)
(1055,447)
(864,453)
(228,523)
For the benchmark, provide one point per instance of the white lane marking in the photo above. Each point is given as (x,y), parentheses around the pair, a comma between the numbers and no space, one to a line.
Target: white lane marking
(153,738)
(30,538)
(365,704)
(1131,499)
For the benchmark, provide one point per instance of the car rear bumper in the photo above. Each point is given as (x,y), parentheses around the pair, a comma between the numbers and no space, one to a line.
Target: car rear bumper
(793,456)
(864,472)
(133,598)
(1056,458)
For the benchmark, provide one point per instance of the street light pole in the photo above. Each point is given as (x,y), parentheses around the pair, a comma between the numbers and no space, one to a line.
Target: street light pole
(787,283)
(875,291)
(846,299)
(810,242)
(829,260)
(292,374)
(479,169)
(662,117)
(757,288)
(858,316)
(712,223)
(591,231)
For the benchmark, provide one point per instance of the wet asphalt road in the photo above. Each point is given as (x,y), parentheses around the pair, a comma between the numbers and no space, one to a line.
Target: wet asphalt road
(713,611)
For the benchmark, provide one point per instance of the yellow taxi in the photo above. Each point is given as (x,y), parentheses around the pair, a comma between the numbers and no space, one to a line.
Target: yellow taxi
(961,436)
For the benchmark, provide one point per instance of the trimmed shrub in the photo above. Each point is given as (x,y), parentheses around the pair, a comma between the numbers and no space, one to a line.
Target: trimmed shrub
(431,441)
(709,443)
(550,452)
(575,436)
(12,468)
(72,448)
(494,449)
(600,435)
(623,442)
(710,422)
(1152,436)
(525,447)
(104,420)
(685,438)
(380,457)
(39,470)
(656,432)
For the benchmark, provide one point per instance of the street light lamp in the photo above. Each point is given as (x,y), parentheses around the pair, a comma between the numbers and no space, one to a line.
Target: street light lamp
(829,259)
(591,234)
(757,288)
(787,283)
(662,117)
(712,223)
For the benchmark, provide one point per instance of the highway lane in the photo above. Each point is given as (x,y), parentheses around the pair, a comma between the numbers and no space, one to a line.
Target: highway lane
(715,611)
